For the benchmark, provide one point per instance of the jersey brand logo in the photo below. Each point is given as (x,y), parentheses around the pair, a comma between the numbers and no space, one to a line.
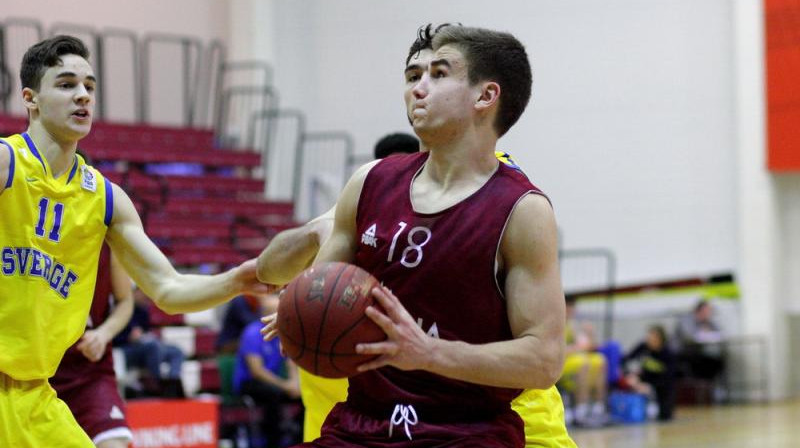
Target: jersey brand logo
(31,179)
(368,237)
(88,181)
(116,413)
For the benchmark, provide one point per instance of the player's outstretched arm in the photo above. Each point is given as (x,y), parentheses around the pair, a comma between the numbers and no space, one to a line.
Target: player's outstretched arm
(93,343)
(341,245)
(534,358)
(293,250)
(151,270)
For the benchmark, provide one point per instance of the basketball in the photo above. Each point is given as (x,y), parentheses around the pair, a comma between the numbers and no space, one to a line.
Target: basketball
(321,319)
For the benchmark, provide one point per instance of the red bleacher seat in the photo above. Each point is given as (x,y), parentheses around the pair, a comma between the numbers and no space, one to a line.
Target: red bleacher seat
(213,183)
(209,376)
(136,153)
(159,318)
(12,125)
(185,254)
(158,144)
(169,226)
(216,206)
(204,340)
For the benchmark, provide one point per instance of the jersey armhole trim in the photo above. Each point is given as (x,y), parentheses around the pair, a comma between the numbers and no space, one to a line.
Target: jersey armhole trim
(502,234)
(10,179)
(109,202)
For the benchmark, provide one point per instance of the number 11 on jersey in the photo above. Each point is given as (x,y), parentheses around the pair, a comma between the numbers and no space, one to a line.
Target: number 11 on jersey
(58,212)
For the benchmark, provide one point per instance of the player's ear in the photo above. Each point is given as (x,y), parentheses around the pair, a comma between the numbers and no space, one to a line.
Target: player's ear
(489,95)
(29,98)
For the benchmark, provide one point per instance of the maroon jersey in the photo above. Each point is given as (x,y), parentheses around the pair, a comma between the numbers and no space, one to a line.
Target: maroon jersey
(90,388)
(74,365)
(442,268)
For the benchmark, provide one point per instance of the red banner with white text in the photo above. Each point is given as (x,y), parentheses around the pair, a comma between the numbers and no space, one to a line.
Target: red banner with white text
(173,423)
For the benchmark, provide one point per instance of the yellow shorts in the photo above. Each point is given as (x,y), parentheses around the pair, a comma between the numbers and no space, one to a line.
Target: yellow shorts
(574,362)
(319,395)
(541,410)
(31,416)
(543,414)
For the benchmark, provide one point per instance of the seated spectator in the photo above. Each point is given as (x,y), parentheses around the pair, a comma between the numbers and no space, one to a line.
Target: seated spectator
(270,379)
(585,370)
(144,350)
(242,311)
(698,338)
(650,370)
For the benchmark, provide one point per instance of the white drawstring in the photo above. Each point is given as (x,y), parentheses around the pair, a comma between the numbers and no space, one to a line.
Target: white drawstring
(405,415)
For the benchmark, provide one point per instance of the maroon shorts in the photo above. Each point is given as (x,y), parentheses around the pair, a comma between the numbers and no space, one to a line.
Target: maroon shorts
(346,427)
(96,405)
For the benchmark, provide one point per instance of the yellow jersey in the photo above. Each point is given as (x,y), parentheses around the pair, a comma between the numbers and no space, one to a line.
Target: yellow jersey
(51,232)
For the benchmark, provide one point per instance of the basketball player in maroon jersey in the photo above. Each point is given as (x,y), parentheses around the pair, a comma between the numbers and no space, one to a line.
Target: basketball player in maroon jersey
(85,379)
(469,246)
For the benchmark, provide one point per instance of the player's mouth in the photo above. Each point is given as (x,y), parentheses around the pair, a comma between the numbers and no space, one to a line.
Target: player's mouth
(82,114)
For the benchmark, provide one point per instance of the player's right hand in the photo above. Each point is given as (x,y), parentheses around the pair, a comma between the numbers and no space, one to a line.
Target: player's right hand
(270,329)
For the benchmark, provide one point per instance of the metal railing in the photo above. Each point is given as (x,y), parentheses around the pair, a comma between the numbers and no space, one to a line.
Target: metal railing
(190,50)
(596,270)
(16,35)
(241,104)
(177,80)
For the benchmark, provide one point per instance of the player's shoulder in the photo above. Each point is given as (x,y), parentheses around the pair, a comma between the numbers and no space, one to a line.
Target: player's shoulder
(7,161)
(6,153)
(361,172)
(534,204)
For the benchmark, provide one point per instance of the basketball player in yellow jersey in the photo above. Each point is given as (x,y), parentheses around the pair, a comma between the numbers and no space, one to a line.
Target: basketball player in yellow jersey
(56,212)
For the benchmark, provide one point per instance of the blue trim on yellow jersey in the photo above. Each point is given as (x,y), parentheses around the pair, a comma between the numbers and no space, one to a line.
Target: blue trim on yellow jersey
(10,179)
(74,170)
(109,202)
(33,149)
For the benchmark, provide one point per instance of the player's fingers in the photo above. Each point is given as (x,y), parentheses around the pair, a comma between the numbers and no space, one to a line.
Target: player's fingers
(269,335)
(259,289)
(377,348)
(382,320)
(269,318)
(389,302)
(374,364)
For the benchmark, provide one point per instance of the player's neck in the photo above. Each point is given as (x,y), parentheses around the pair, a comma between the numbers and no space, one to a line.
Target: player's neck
(59,153)
(469,156)
(451,174)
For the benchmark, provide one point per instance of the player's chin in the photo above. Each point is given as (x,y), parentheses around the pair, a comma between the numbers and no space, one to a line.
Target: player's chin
(79,130)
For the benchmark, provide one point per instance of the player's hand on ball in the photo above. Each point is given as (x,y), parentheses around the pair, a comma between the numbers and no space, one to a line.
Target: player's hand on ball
(407,346)
(269,330)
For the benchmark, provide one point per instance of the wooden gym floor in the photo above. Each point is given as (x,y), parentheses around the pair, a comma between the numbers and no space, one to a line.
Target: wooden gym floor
(769,425)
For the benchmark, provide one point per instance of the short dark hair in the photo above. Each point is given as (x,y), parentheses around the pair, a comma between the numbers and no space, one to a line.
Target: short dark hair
(46,54)
(493,56)
(399,142)
(424,40)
